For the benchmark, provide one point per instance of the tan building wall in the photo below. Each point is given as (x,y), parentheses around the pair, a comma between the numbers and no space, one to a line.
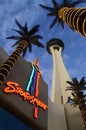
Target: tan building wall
(56,116)
(64,117)
(74,119)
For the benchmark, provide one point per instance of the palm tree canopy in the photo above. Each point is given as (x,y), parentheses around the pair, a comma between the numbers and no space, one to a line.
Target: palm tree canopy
(77,86)
(53,11)
(27,35)
(74,100)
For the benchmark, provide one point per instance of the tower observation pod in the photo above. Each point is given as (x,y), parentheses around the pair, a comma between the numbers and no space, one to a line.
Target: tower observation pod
(60,75)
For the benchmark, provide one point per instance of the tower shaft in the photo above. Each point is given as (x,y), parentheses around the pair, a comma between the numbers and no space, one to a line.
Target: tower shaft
(60,76)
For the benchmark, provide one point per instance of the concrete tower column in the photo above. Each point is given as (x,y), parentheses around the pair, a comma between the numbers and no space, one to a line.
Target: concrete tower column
(60,75)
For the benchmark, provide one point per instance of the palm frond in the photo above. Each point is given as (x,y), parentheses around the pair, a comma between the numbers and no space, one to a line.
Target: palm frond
(84,95)
(56,4)
(50,14)
(54,22)
(76,82)
(70,83)
(74,100)
(15,44)
(69,88)
(46,7)
(25,28)
(82,81)
(61,23)
(36,37)
(30,47)
(76,86)
(19,32)
(83,88)
(33,30)
(18,24)
(14,37)
(39,44)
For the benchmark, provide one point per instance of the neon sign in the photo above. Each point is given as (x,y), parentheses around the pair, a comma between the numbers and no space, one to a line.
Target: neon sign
(33,84)
(13,87)
(31,77)
(34,78)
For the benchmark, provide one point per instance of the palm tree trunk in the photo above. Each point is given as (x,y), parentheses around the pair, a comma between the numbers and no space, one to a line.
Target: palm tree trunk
(10,62)
(75,18)
(82,107)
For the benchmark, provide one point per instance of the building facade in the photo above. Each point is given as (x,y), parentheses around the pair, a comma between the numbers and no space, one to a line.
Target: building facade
(20,97)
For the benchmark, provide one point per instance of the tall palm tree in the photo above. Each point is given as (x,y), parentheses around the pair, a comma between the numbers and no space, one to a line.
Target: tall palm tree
(75,18)
(77,88)
(24,40)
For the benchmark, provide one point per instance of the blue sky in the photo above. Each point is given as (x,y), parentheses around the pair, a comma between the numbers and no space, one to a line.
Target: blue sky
(29,11)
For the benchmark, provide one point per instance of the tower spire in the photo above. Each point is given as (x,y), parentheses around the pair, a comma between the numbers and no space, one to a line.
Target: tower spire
(60,76)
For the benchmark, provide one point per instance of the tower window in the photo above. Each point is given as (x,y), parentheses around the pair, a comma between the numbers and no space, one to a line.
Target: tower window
(56,48)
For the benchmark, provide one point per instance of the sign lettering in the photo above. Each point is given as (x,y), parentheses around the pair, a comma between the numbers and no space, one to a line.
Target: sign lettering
(13,87)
